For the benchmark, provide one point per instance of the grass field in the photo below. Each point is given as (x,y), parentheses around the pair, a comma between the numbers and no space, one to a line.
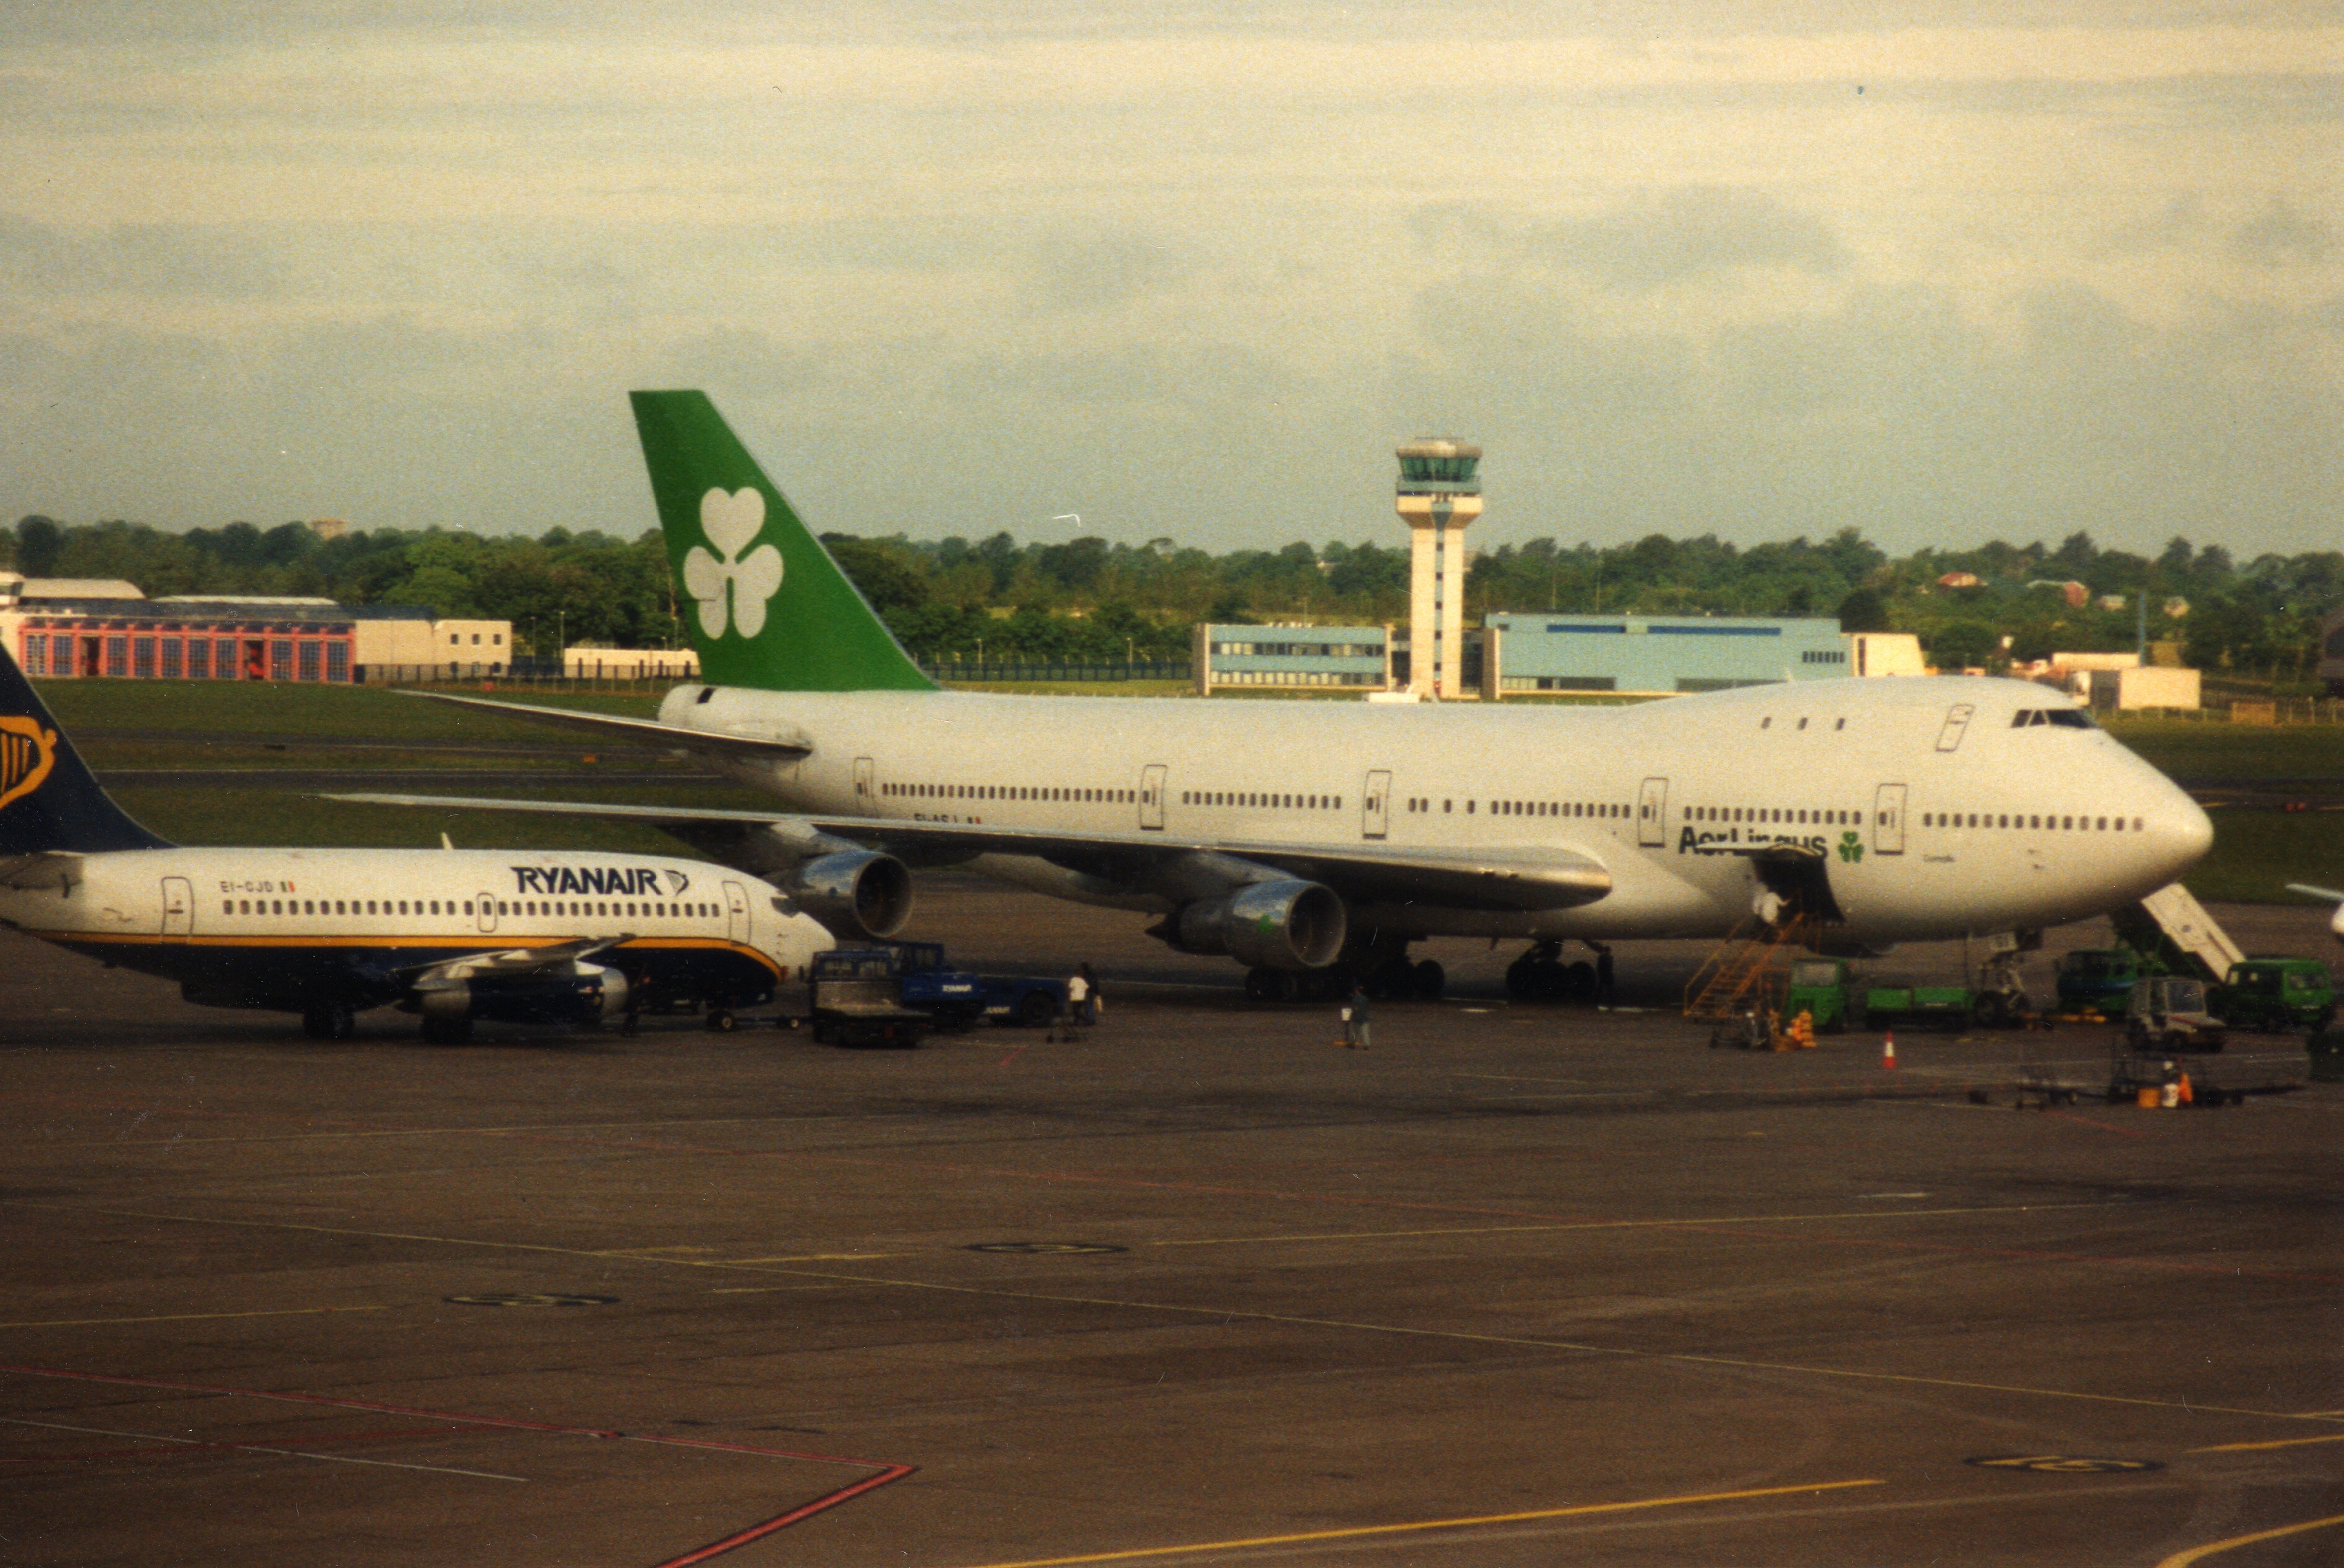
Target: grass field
(371,713)
(2192,750)
(2256,853)
(291,818)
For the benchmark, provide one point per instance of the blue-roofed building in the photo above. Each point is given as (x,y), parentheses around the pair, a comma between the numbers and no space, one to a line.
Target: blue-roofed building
(1658,654)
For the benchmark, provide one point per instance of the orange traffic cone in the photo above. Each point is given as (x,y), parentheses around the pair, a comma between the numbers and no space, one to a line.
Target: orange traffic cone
(1887,1050)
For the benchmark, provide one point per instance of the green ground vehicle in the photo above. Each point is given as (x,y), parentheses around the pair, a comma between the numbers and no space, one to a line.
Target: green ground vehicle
(2100,979)
(1823,989)
(1890,1002)
(2274,994)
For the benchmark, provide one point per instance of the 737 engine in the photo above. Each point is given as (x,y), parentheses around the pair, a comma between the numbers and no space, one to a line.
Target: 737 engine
(579,994)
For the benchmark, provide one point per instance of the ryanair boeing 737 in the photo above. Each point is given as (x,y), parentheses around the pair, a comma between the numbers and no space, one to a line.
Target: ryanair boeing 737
(513,935)
(1316,841)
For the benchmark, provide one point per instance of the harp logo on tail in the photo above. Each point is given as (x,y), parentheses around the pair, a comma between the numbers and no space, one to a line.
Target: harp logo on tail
(26,754)
(736,583)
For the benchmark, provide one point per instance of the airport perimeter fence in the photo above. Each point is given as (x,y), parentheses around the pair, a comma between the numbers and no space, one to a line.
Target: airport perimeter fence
(655,675)
(648,677)
(2266,711)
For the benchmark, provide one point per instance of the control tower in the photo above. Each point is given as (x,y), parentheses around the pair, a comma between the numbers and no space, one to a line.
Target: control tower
(1437,495)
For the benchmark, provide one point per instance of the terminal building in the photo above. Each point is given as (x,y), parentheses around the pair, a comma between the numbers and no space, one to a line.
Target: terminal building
(1656,653)
(101,629)
(1517,655)
(1358,658)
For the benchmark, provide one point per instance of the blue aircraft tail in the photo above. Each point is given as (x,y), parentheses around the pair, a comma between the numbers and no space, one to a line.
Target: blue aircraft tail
(48,798)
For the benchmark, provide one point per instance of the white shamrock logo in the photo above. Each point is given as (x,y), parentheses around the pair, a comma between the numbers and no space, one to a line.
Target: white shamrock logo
(732,522)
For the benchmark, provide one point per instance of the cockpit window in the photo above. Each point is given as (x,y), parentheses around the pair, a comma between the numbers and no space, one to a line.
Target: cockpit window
(2065,718)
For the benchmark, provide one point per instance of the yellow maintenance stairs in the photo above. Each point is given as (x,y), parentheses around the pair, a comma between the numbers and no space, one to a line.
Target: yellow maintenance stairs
(1747,974)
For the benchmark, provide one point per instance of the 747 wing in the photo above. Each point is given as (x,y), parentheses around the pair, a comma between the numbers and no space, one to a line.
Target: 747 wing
(1170,866)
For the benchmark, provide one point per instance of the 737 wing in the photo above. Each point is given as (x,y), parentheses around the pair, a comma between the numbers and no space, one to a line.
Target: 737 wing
(512,962)
(1179,867)
(56,868)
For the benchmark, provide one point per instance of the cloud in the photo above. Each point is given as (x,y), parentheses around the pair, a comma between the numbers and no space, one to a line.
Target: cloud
(1896,411)
(2278,235)
(1660,239)
(137,259)
(2181,221)
(1102,272)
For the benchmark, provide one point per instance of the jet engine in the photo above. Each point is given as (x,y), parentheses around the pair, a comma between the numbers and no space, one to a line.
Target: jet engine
(585,994)
(1284,925)
(858,893)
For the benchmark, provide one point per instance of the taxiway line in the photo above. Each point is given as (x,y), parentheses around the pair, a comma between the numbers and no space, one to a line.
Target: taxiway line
(1356,1531)
(192,1317)
(2195,1553)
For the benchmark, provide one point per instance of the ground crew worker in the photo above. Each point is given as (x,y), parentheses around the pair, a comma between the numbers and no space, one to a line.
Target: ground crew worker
(1355,1019)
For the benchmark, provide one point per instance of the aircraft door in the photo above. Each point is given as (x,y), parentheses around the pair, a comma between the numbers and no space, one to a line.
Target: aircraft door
(1375,806)
(486,902)
(865,774)
(736,912)
(178,906)
(1888,820)
(1151,797)
(1652,813)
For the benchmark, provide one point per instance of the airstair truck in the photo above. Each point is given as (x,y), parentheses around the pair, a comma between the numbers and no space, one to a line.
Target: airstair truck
(2173,926)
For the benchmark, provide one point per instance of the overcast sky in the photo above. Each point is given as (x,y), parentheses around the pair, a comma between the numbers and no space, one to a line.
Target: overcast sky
(1940,271)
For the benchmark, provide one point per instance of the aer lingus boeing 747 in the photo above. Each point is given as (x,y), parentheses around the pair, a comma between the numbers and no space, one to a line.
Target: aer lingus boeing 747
(1316,838)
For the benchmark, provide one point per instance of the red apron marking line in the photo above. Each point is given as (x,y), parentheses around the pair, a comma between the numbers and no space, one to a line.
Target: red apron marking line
(2101,1125)
(783,1520)
(888,1472)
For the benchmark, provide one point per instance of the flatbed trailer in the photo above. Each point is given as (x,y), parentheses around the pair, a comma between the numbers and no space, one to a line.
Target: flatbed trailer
(853,998)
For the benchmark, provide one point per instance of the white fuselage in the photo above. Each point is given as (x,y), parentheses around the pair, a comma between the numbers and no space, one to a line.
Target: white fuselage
(1937,811)
(230,917)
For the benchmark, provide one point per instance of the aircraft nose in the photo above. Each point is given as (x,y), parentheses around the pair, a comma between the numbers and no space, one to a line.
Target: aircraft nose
(2178,832)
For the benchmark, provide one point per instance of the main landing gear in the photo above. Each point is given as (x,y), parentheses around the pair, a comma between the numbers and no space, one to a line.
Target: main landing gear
(1381,964)
(1539,974)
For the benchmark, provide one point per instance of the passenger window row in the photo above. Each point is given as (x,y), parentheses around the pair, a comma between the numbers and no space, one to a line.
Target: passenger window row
(2026,822)
(1008,792)
(1578,808)
(1262,800)
(1810,816)
(656,909)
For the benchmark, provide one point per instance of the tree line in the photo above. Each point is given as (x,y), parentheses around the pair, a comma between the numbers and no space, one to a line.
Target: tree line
(1091,600)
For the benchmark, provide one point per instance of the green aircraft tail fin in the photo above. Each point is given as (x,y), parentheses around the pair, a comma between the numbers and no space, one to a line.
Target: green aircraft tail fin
(766,605)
